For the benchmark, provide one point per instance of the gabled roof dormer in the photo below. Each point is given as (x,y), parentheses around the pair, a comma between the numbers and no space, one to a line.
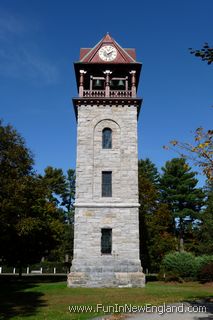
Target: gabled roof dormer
(91,55)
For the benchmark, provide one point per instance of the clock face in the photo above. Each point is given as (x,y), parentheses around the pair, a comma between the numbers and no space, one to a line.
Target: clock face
(107,53)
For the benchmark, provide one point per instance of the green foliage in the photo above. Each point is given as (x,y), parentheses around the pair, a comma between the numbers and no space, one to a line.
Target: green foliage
(161,237)
(64,251)
(15,159)
(148,195)
(36,227)
(180,264)
(37,212)
(55,182)
(203,260)
(155,219)
(206,273)
(69,196)
(183,265)
(205,231)
(148,170)
(15,165)
(199,152)
(206,53)
(178,190)
(62,193)
(31,225)
(61,189)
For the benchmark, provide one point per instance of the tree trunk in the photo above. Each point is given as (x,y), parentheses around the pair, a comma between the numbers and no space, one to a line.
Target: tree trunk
(181,244)
(20,270)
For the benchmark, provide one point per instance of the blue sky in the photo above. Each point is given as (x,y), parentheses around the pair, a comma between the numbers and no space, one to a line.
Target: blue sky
(40,40)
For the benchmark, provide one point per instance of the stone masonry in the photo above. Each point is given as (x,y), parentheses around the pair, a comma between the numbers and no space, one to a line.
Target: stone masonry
(121,268)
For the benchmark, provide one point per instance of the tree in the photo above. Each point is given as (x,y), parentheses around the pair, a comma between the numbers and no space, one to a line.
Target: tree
(69,196)
(200,151)
(147,200)
(178,190)
(15,164)
(31,225)
(206,53)
(155,220)
(205,231)
(61,189)
(55,182)
(36,227)
(148,169)
(161,236)
(68,202)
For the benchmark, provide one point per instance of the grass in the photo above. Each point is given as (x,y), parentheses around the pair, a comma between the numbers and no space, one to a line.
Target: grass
(26,299)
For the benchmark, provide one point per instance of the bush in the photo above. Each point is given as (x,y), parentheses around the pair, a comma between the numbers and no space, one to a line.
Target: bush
(201,261)
(169,276)
(181,266)
(206,273)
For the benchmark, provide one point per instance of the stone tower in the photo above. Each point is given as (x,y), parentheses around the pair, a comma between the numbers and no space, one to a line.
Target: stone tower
(106,232)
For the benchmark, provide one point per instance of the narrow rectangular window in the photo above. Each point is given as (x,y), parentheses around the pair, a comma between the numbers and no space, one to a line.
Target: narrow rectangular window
(106,241)
(106,183)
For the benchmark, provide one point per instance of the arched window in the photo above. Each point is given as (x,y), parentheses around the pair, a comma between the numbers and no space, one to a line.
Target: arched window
(107,138)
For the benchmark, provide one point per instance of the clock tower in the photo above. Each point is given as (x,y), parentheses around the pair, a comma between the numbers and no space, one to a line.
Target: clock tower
(106,230)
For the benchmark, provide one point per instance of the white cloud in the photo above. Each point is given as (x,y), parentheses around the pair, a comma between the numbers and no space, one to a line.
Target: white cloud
(11,25)
(26,64)
(18,57)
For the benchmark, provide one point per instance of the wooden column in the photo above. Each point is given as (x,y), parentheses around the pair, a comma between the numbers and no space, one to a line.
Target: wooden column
(81,83)
(107,88)
(133,83)
(126,84)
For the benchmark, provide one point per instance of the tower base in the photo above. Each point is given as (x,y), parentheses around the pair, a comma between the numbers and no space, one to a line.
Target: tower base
(98,277)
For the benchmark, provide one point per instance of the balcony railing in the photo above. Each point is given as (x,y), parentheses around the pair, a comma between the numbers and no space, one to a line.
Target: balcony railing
(112,93)
(94,93)
(120,93)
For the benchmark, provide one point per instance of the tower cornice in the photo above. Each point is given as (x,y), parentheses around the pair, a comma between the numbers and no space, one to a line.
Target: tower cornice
(85,101)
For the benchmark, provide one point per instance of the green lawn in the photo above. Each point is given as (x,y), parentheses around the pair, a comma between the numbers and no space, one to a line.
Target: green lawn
(44,301)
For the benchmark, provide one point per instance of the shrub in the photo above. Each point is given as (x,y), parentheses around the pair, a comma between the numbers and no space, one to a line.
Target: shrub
(169,276)
(184,265)
(179,265)
(201,261)
(206,272)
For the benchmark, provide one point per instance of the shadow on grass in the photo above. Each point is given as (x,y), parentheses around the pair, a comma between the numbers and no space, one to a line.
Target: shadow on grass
(16,298)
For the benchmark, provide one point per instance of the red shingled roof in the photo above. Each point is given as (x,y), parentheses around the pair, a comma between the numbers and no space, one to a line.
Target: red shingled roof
(123,55)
